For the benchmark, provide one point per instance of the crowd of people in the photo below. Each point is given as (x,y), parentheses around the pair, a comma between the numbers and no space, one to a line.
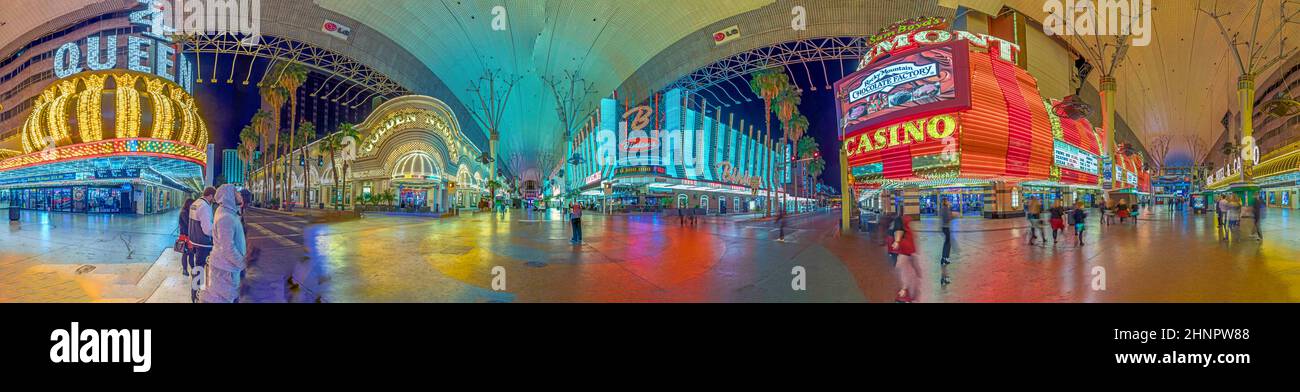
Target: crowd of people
(1234,218)
(214,250)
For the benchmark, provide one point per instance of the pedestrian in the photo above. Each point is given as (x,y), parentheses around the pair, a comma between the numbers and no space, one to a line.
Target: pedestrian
(1234,213)
(780,221)
(1121,209)
(183,240)
(575,220)
(946,216)
(1134,211)
(1109,211)
(693,212)
(246,199)
(1058,220)
(200,233)
(229,249)
(1032,212)
(1249,225)
(681,215)
(1259,217)
(1079,217)
(1221,213)
(903,248)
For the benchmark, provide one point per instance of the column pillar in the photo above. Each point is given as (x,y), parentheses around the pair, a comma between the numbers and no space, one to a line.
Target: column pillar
(912,202)
(848,201)
(1246,189)
(1001,202)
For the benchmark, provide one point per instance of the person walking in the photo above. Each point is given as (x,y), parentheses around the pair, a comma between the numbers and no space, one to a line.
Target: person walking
(200,233)
(1121,209)
(229,249)
(575,220)
(1249,225)
(187,256)
(1233,213)
(681,215)
(1134,211)
(1259,217)
(1108,211)
(1058,220)
(946,216)
(1079,217)
(903,248)
(780,221)
(1221,214)
(1033,211)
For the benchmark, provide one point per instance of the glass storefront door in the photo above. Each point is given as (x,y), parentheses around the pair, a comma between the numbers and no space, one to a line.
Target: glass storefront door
(414,197)
(72,199)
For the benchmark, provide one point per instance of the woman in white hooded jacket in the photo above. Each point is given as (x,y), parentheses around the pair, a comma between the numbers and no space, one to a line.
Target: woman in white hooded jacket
(228,249)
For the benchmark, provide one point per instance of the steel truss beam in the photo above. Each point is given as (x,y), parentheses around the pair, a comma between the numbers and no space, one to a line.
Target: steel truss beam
(329,62)
(778,55)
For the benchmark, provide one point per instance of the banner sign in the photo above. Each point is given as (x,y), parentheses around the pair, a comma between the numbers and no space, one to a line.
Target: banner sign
(726,35)
(336,29)
(922,82)
(639,170)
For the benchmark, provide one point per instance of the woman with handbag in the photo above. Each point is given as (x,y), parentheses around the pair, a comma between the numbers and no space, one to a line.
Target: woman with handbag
(904,249)
(182,245)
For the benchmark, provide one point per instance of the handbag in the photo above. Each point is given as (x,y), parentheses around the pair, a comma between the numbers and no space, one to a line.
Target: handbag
(181,244)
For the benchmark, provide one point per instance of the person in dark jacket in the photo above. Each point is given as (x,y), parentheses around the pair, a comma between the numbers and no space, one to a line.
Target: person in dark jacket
(187,256)
(200,232)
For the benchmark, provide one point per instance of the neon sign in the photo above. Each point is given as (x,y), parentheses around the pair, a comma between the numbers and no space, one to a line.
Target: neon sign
(908,26)
(889,77)
(150,53)
(1074,158)
(921,82)
(901,134)
(1001,49)
(407,119)
(107,148)
(728,173)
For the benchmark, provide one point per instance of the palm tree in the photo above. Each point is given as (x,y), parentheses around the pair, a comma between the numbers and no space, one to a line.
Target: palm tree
(798,127)
(273,98)
(767,83)
(261,123)
(347,130)
(304,138)
(248,139)
(786,107)
(330,145)
(290,77)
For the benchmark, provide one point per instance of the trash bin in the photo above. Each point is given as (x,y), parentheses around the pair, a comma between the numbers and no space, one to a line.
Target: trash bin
(13,214)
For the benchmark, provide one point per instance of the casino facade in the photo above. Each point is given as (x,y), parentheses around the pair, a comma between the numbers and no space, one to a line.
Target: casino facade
(97,115)
(934,113)
(111,141)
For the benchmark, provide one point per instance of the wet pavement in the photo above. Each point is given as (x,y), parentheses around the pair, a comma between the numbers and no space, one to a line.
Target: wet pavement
(67,257)
(527,257)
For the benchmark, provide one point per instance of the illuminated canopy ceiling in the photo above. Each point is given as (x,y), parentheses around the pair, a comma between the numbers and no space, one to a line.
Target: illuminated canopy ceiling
(603,41)
(1186,79)
(1181,83)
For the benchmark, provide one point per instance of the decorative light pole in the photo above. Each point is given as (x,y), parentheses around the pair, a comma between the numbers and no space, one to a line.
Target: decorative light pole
(576,160)
(1253,62)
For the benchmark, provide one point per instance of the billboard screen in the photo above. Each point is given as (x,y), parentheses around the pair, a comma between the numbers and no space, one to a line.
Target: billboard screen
(924,81)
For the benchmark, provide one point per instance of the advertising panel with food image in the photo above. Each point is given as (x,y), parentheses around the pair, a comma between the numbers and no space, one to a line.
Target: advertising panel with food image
(928,80)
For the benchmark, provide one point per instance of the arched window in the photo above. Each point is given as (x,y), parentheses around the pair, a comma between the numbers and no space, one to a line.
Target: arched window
(682,201)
